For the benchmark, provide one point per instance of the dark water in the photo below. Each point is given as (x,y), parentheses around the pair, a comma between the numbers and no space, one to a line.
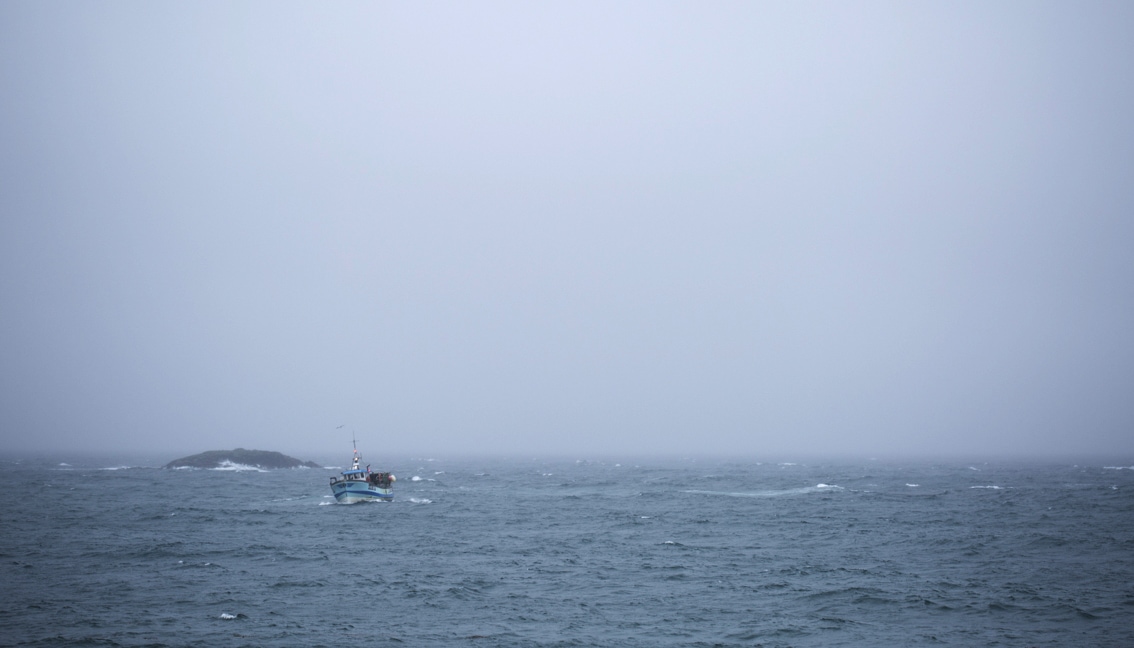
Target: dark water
(534,553)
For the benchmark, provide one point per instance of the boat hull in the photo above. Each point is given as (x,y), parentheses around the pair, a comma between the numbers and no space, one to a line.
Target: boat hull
(352,491)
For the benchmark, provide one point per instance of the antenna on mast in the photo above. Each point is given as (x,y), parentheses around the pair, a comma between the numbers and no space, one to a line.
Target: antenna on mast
(354,441)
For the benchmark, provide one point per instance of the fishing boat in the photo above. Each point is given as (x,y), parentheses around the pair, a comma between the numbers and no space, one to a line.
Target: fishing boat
(361,485)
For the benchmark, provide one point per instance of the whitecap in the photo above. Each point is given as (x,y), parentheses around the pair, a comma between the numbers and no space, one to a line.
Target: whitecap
(828,486)
(325,503)
(230,466)
(420,500)
(63,463)
(1104,467)
(913,485)
(117,468)
(415,478)
(822,488)
(989,487)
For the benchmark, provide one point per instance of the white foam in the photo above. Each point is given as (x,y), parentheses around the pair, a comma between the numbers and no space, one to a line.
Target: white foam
(415,478)
(821,488)
(989,487)
(63,463)
(420,500)
(1104,467)
(117,468)
(226,616)
(325,503)
(230,466)
(913,485)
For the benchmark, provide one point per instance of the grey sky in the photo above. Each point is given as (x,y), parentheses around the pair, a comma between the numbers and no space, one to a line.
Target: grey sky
(583,228)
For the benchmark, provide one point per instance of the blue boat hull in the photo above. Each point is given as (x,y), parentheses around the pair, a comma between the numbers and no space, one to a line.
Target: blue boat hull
(351,491)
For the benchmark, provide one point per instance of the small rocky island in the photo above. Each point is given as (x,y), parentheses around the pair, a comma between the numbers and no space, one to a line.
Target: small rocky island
(264,459)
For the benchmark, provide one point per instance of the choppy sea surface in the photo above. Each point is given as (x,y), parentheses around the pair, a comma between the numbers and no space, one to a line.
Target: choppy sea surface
(570,553)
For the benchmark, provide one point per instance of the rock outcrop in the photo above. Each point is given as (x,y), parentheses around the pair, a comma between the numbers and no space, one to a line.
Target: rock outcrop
(264,459)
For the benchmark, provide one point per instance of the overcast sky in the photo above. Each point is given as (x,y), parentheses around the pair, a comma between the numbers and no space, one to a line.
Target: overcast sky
(751,228)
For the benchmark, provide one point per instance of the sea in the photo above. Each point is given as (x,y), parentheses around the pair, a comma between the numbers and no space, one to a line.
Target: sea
(581,552)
